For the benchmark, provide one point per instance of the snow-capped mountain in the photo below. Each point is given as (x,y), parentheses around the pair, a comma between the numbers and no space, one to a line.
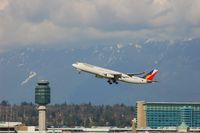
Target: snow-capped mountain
(178,63)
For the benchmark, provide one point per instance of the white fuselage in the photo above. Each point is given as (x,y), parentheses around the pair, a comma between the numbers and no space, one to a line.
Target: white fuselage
(109,74)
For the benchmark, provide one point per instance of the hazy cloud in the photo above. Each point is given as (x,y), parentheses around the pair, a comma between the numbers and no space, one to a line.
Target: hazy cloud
(46,22)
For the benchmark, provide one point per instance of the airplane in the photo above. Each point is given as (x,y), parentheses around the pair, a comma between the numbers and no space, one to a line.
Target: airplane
(114,76)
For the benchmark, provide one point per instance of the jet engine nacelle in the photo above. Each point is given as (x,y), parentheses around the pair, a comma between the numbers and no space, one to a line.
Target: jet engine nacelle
(99,76)
(109,75)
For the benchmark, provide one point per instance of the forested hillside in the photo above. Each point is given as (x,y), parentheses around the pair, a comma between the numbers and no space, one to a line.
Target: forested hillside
(69,115)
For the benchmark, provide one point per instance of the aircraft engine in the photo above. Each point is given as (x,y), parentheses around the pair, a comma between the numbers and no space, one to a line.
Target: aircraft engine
(98,76)
(109,75)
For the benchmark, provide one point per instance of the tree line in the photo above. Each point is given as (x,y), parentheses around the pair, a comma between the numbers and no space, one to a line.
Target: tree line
(69,115)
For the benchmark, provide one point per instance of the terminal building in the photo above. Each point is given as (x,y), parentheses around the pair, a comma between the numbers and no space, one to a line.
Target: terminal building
(167,114)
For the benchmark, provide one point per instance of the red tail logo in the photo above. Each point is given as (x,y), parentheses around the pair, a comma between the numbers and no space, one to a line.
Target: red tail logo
(151,75)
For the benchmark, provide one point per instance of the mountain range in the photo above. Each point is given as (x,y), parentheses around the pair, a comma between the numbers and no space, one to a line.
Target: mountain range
(178,62)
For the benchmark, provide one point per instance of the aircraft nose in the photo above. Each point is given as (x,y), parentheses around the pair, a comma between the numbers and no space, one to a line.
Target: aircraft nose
(74,65)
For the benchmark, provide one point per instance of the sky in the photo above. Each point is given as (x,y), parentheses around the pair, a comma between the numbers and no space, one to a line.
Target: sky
(71,22)
(121,24)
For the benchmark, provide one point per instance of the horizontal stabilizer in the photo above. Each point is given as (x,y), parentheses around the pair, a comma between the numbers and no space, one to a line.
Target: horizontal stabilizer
(152,81)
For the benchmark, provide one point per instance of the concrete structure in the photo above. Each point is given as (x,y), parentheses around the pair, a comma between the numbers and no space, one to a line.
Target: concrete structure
(134,125)
(42,98)
(32,129)
(79,130)
(25,129)
(167,114)
(91,130)
(8,127)
(42,118)
(141,116)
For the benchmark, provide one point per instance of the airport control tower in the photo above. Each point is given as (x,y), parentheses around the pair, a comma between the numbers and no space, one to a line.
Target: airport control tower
(42,98)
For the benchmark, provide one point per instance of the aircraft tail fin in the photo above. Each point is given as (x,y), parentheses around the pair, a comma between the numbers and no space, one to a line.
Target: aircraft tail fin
(149,76)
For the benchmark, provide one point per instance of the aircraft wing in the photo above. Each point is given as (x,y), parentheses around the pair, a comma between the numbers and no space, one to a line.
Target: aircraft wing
(133,74)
